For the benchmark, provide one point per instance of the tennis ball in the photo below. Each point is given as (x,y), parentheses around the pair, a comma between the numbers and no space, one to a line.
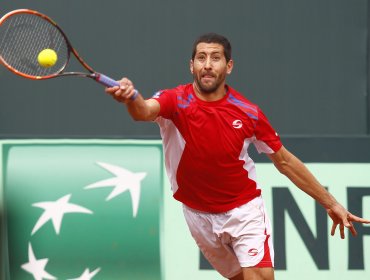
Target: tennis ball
(47,58)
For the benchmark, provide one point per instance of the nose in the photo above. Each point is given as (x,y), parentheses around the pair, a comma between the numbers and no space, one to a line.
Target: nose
(208,63)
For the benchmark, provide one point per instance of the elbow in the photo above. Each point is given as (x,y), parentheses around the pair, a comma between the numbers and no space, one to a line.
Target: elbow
(141,117)
(138,115)
(282,167)
(136,118)
(284,161)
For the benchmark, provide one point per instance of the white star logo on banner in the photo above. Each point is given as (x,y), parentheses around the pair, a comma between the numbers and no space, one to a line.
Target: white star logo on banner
(125,180)
(55,210)
(87,275)
(36,267)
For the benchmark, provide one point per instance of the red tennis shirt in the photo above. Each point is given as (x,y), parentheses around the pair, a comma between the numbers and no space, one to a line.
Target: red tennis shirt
(206,147)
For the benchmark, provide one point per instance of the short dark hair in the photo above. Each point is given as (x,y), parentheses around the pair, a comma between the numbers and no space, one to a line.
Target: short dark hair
(213,38)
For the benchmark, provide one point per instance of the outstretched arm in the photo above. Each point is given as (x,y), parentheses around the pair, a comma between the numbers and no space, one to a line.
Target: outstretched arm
(139,109)
(297,172)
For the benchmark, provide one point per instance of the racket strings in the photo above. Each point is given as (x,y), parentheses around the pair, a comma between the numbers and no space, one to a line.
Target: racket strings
(24,36)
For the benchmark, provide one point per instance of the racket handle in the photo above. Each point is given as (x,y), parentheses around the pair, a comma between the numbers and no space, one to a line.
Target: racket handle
(108,82)
(105,80)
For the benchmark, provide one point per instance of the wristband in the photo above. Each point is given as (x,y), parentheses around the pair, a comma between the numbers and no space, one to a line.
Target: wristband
(136,94)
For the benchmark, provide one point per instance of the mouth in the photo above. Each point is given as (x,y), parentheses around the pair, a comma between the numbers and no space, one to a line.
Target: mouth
(207,76)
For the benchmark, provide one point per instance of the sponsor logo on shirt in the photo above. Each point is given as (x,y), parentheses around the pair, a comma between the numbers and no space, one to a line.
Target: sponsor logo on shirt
(237,124)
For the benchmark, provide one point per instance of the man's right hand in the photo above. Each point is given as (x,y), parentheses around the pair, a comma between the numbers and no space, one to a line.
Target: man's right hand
(124,93)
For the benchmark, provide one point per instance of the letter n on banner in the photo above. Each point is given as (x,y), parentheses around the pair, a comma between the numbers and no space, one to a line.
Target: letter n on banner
(284,202)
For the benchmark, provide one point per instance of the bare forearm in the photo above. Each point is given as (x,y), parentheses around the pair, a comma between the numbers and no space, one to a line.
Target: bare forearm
(298,173)
(140,110)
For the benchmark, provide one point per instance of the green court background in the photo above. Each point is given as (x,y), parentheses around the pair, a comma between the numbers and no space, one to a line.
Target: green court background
(299,60)
(168,251)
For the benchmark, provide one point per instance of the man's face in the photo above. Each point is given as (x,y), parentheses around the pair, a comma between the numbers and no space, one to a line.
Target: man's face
(209,67)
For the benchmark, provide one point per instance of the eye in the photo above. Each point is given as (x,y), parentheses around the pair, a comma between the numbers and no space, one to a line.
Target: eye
(201,57)
(216,58)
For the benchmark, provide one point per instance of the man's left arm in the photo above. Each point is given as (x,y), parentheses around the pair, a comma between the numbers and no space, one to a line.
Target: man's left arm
(298,173)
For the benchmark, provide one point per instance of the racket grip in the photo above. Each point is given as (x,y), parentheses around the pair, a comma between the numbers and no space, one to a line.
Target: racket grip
(105,80)
(109,82)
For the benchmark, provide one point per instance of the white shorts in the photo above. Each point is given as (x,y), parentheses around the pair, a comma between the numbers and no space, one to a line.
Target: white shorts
(237,238)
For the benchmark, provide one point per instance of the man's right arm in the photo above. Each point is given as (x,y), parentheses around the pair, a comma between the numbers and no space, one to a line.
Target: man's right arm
(139,108)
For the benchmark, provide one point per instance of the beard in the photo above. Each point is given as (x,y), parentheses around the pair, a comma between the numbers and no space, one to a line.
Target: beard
(209,87)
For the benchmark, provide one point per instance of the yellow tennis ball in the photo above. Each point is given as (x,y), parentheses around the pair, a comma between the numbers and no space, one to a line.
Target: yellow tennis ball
(47,58)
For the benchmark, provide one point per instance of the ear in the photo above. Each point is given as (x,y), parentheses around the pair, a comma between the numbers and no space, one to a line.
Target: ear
(191,66)
(229,66)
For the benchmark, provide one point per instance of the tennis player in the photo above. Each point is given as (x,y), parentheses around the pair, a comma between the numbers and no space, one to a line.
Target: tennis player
(207,127)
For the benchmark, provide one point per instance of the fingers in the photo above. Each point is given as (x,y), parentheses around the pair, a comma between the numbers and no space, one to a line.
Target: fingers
(341,229)
(333,229)
(357,219)
(124,92)
(352,218)
(111,90)
(352,229)
(344,219)
(346,222)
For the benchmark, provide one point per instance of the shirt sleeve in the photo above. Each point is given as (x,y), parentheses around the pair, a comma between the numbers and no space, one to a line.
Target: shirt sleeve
(267,139)
(167,102)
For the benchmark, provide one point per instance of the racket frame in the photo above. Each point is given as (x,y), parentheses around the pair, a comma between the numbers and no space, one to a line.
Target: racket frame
(92,74)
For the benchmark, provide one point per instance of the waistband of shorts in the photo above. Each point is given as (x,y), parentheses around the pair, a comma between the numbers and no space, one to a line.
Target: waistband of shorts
(218,213)
(197,211)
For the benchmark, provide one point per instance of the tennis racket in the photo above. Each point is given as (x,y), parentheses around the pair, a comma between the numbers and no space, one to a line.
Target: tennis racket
(25,33)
